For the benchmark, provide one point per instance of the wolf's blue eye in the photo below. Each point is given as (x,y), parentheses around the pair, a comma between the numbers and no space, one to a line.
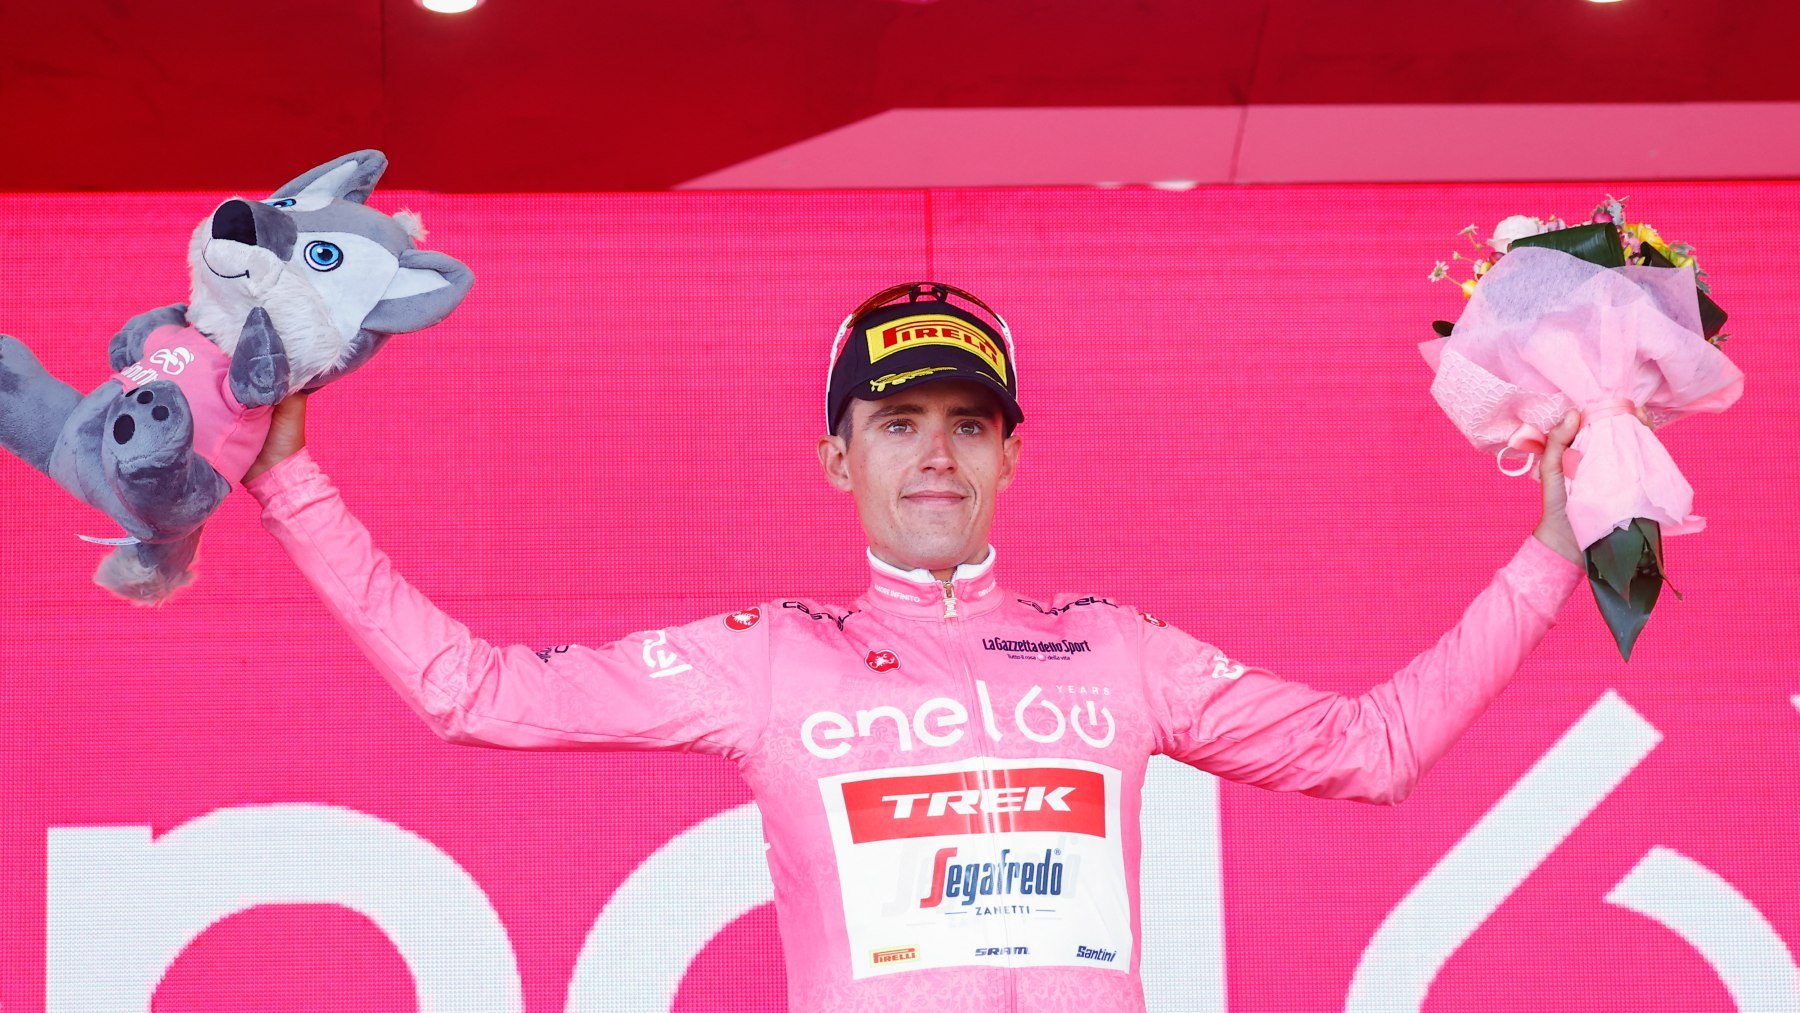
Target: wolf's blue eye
(285,202)
(324,256)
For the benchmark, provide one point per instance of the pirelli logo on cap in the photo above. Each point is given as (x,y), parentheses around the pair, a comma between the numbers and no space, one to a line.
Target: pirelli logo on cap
(895,955)
(934,329)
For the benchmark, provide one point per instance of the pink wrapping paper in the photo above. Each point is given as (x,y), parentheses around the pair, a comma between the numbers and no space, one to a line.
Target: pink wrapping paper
(1546,332)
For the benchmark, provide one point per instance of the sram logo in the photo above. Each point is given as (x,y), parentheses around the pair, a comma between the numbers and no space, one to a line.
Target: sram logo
(940,722)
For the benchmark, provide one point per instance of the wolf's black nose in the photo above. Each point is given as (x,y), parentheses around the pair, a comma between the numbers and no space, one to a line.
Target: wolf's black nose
(235,221)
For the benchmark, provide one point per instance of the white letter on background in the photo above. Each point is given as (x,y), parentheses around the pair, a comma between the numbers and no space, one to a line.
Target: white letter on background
(667,910)
(121,906)
(1182,890)
(1445,908)
(1698,905)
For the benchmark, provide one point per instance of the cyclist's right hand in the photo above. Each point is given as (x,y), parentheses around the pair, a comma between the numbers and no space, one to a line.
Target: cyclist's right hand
(287,435)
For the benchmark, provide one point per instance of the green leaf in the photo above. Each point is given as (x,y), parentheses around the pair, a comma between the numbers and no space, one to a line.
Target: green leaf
(1712,315)
(1626,609)
(1614,558)
(1594,243)
(1653,541)
(1652,533)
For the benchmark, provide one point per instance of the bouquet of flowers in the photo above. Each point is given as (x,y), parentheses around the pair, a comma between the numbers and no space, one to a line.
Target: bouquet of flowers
(1609,319)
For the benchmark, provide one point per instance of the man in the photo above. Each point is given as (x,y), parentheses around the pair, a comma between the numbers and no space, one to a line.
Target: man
(945,830)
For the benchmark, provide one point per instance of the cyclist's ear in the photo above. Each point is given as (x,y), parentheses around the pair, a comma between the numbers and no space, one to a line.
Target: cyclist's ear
(834,459)
(1009,459)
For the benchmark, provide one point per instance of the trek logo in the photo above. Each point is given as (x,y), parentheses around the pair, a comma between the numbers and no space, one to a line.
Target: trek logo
(882,661)
(1095,953)
(1066,800)
(972,801)
(934,329)
(1005,878)
(742,621)
(659,659)
(880,384)
(940,720)
(172,360)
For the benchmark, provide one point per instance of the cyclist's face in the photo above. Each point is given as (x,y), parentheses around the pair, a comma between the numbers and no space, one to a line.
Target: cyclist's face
(925,467)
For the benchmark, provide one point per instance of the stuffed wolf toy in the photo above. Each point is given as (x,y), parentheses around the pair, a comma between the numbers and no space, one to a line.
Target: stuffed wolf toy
(288,294)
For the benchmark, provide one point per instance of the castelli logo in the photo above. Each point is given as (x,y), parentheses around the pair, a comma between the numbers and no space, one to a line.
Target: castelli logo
(741,621)
(1152,620)
(883,661)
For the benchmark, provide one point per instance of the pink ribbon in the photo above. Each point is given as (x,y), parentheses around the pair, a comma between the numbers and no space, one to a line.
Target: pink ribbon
(1607,409)
(1529,439)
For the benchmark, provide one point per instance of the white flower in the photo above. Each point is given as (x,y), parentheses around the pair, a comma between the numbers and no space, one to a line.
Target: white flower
(1514,228)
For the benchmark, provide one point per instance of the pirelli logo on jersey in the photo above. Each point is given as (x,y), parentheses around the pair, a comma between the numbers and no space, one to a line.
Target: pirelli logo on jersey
(895,955)
(1020,799)
(934,329)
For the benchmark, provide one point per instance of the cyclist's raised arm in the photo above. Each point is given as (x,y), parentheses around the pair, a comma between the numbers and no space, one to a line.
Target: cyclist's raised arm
(702,686)
(1247,724)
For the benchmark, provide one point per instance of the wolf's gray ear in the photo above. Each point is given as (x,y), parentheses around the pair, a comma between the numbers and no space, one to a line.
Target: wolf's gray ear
(428,286)
(351,177)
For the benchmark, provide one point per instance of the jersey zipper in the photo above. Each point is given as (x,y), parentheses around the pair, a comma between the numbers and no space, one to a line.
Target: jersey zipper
(989,824)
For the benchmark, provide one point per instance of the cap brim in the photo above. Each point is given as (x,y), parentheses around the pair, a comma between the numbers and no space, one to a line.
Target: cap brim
(1009,408)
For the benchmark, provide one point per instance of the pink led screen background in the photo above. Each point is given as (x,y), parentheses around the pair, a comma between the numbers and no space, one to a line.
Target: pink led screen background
(1227,423)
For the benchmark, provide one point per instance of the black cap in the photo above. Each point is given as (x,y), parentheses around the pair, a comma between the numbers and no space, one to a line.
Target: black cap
(887,346)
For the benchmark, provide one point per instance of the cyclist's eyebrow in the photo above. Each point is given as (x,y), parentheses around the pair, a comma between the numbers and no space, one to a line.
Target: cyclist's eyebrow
(969,410)
(976,410)
(889,411)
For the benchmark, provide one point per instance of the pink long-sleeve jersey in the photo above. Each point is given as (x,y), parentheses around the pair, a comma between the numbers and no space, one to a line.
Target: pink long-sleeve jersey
(949,775)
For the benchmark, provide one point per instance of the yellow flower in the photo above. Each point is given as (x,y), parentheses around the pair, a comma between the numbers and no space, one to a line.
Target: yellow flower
(1468,287)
